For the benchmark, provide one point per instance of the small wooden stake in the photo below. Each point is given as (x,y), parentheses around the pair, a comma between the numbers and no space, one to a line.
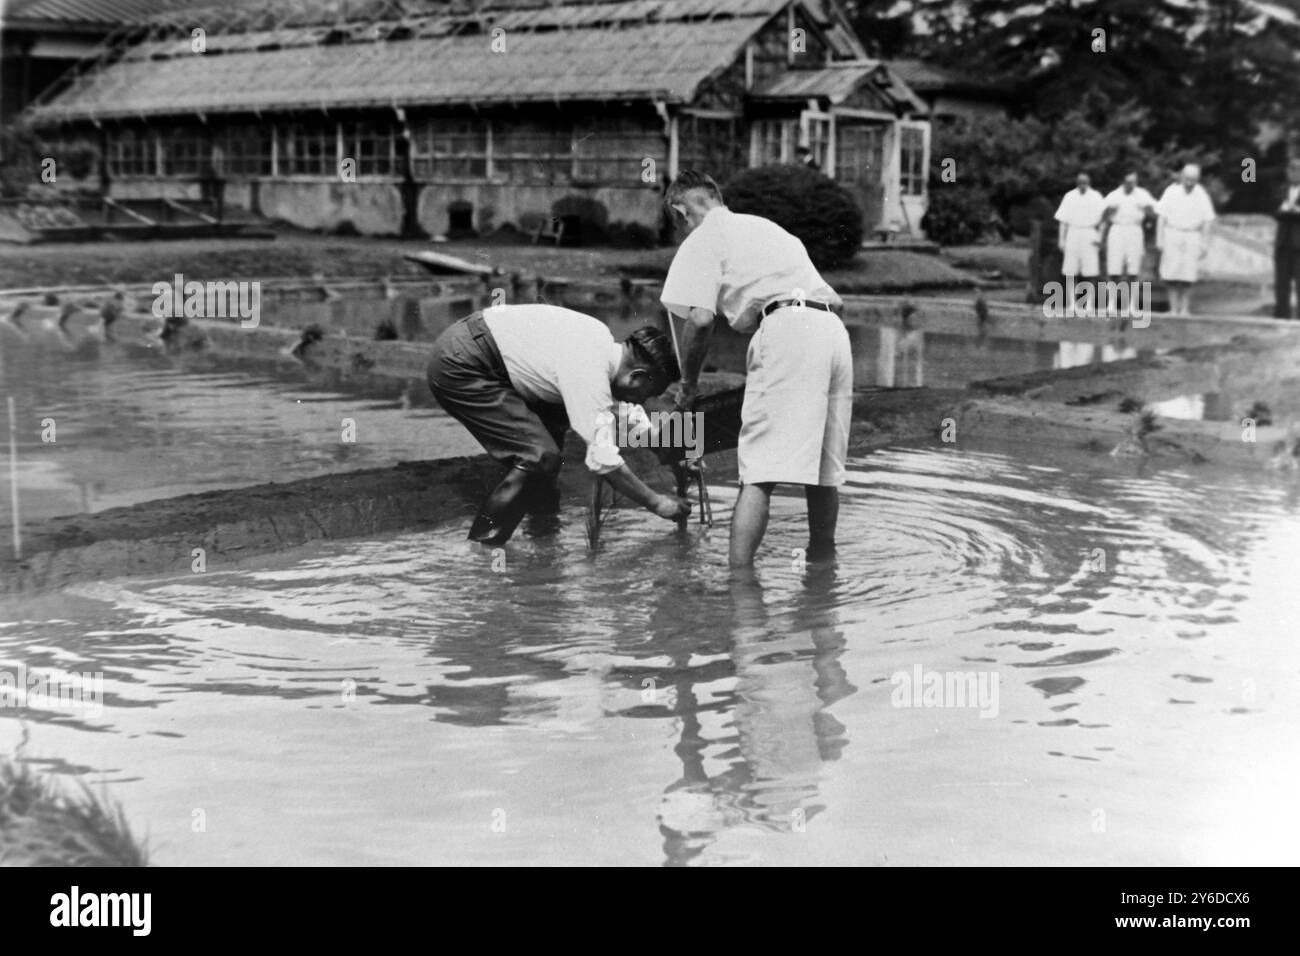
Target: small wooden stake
(13,481)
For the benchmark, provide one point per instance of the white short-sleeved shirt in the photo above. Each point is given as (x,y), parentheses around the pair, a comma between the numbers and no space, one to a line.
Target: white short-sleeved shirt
(1186,210)
(733,264)
(563,357)
(1130,208)
(1081,210)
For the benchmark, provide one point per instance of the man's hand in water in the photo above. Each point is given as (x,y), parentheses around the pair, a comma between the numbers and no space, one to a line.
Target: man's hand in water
(686,395)
(667,506)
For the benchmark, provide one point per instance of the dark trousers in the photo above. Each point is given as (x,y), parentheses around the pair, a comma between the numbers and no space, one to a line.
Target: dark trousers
(468,378)
(1286,275)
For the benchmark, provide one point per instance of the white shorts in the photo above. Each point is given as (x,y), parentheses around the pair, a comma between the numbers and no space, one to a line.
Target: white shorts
(1080,252)
(1124,248)
(798,400)
(1180,260)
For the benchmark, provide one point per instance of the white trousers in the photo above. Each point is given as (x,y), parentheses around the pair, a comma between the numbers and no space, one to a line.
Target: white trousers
(1180,260)
(798,400)
(1124,248)
(1080,251)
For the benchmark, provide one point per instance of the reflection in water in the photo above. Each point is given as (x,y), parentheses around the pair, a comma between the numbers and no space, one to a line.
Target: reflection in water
(1072,354)
(385,701)
(780,732)
(142,426)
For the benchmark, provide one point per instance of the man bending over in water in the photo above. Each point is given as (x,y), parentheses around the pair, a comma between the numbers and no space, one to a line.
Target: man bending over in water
(518,376)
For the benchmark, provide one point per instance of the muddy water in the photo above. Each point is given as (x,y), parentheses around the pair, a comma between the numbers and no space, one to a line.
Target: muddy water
(133,424)
(882,357)
(400,701)
(136,424)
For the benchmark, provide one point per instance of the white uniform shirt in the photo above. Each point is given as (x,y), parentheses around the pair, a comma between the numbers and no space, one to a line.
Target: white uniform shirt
(1081,210)
(734,264)
(1130,208)
(1185,210)
(565,358)
(1292,196)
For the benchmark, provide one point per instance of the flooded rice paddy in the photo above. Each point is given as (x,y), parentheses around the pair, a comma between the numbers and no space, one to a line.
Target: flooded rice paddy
(416,699)
(135,423)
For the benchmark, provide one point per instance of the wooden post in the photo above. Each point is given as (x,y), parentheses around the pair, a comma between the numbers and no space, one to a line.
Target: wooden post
(674,147)
(13,482)
(1033,282)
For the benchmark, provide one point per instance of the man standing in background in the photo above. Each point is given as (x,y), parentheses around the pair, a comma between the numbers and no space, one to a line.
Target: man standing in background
(1127,208)
(1183,236)
(1079,215)
(1286,247)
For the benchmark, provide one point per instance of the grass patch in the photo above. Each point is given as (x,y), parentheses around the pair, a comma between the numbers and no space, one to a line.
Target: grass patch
(41,825)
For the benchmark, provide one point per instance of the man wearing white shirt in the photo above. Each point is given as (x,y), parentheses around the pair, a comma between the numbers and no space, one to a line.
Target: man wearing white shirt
(1079,215)
(518,376)
(799,368)
(1286,245)
(1182,236)
(1127,208)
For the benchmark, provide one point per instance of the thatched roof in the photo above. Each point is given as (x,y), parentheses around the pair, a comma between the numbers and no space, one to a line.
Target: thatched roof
(101,12)
(629,50)
(837,83)
(104,14)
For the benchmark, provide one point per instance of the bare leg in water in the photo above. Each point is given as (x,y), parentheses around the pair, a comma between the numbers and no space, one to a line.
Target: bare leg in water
(749,522)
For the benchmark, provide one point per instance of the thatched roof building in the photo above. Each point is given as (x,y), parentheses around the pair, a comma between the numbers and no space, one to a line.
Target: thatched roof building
(397,114)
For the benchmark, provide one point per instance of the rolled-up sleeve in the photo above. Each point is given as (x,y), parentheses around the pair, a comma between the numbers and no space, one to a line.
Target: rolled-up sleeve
(695,276)
(584,386)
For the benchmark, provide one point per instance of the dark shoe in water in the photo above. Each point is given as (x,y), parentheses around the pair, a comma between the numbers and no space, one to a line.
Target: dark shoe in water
(503,509)
(485,531)
(542,525)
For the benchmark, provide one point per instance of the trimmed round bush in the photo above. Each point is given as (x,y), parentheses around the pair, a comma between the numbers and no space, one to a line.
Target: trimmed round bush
(1022,216)
(586,220)
(957,216)
(823,214)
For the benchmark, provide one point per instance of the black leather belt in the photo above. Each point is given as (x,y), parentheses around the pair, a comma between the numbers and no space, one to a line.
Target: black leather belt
(787,303)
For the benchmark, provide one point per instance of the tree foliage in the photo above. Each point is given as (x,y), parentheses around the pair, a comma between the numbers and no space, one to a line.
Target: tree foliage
(1020,168)
(1210,74)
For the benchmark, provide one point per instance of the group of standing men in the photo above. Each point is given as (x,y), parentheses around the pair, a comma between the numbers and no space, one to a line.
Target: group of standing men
(1087,221)
(1183,214)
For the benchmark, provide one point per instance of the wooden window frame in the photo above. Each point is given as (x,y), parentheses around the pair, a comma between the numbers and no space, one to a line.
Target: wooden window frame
(290,162)
(435,156)
(912,176)
(357,135)
(237,160)
(142,163)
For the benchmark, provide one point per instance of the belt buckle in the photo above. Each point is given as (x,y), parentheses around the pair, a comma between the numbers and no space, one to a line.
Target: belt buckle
(777,304)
